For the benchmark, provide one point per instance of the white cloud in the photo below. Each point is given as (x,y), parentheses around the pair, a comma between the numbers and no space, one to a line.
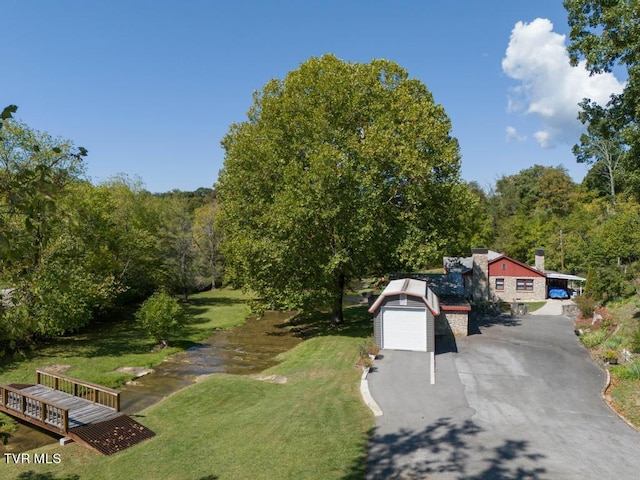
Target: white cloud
(544,139)
(514,136)
(550,88)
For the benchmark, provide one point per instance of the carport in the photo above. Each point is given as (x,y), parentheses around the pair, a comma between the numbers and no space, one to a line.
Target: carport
(565,281)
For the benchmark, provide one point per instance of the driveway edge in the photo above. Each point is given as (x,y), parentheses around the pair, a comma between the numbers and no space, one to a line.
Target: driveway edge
(366,394)
(609,402)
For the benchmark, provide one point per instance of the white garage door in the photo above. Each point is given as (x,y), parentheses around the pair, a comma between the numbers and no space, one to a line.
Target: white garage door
(404,329)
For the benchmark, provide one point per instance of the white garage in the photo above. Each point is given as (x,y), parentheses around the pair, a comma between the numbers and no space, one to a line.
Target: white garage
(404,316)
(404,328)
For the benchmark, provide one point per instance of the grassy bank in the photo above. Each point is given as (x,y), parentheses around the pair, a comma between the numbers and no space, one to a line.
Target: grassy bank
(607,339)
(95,353)
(231,427)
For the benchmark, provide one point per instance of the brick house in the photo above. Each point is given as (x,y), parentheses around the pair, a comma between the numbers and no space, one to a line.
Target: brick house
(490,275)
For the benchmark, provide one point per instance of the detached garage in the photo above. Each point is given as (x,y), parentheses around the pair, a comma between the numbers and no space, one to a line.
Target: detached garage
(404,316)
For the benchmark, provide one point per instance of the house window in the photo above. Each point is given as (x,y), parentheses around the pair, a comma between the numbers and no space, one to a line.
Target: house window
(499,283)
(504,266)
(524,284)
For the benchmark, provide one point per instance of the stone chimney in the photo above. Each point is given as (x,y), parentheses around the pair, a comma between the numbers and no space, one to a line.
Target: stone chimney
(539,259)
(480,274)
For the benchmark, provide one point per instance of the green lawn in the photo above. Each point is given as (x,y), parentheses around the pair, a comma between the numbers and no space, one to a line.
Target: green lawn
(96,352)
(233,427)
(533,306)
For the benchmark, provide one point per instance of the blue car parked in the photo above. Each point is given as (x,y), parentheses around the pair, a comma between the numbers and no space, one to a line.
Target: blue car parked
(559,293)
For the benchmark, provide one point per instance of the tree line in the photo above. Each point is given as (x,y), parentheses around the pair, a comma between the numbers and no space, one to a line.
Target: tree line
(73,251)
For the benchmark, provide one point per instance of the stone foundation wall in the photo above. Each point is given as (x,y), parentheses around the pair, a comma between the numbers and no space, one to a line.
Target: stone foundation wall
(452,323)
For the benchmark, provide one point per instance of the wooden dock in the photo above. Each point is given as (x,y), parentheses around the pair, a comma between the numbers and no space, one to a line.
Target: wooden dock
(85,412)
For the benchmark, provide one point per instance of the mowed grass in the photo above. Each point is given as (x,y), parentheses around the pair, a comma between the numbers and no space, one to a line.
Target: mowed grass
(533,306)
(96,352)
(315,426)
(625,394)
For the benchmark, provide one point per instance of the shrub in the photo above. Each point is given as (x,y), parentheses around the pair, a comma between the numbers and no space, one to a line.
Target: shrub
(613,342)
(607,323)
(594,338)
(610,356)
(609,282)
(368,347)
(630,371)
(586,304)
(160,315)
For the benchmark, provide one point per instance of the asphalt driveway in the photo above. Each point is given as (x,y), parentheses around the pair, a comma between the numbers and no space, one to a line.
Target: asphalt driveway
(519,400)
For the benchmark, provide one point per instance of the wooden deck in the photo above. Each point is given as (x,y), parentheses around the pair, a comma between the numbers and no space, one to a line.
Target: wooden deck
(83,411)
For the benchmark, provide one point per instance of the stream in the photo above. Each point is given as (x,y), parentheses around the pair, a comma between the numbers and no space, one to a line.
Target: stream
(244,350)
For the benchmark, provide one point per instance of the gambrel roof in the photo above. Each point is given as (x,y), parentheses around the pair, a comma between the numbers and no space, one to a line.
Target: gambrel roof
(410,287)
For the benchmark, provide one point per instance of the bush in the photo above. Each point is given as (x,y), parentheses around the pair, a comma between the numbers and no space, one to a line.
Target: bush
(610,356)
(368,347)
(594,338)
(586,304)
(160,315)
(609,283)
(613,342)
(367,362)
(629,372)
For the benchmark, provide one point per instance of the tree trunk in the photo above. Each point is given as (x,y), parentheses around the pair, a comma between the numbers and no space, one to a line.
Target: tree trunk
(612,184)
(336,315)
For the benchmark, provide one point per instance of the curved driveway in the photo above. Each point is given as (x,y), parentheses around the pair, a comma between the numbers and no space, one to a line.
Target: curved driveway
(521,399)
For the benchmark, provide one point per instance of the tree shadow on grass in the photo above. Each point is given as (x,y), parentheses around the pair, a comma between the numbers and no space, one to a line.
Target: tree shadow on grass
(31,475)
(448,447)
(124,337)
(204,302)
(101,339)
(357,323)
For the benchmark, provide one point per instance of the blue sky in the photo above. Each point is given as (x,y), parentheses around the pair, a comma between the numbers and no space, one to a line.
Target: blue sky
(150,87)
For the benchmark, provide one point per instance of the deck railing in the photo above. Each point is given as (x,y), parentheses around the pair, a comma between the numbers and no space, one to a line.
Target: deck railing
(89,391)
(36,410)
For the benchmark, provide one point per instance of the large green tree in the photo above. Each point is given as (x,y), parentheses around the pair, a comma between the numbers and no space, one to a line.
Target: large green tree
(341,169)
(34,171)
(606,34)
(602,147)
(47,293)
